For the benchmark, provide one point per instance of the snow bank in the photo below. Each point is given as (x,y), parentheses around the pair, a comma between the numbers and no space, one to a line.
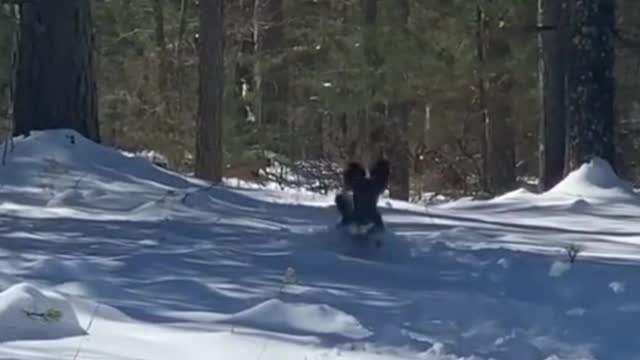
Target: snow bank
(594,179)
(593,182)
(63,154)
(279,316)
(27,313)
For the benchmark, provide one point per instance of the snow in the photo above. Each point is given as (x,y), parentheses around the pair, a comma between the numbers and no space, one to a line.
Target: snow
(105,256)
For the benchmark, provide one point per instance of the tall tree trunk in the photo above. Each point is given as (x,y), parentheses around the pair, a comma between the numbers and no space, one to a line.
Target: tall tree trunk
(244,66)
(552,86)
(591,84)
(55,74)
(500,133)
(366,118)
(178,69)
(482,94)
(272,77)
(209,147)
(400,111)
(161,45)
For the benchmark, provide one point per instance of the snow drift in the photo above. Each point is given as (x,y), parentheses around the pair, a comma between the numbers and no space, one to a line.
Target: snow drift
(594,179)
(279,316)
(28,313)
(162,275)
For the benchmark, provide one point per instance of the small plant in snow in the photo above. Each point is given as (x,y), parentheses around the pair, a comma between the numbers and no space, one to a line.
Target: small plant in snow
(572,252)
(71,138)
(47,316)
(289,278)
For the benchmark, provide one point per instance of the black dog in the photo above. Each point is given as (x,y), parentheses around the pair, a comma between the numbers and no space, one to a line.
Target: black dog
(358,203)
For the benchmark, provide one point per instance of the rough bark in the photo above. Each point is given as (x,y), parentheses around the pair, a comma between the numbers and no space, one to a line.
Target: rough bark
(591,90)
(209,147)
(552,86)
(55,71)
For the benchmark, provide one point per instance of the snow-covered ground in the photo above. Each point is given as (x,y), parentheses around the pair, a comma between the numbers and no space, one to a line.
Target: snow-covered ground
(104,256)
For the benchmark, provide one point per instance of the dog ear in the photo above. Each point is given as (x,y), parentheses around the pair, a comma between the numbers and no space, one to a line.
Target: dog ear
(353,173)
(380,172)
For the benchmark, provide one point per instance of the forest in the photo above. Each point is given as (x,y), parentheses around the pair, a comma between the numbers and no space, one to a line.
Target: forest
(465,98)
(319,179)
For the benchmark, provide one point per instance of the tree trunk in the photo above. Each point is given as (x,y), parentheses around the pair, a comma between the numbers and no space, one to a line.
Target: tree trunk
(272,77)
(55,75)
(500,133)
(245,62)
(209,149)
(482,95)
(552,85)
(591,87)
(367,120)
(399,182)
(400,111)
(161,45)
(178,69)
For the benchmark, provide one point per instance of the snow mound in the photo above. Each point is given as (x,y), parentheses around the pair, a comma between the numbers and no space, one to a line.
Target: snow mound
(520,194)
(64,158)
(579,205)
(27,313)
(594,179)
(276,315)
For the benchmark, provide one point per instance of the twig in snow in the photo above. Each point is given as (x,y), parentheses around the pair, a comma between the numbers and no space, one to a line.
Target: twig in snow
(93,315)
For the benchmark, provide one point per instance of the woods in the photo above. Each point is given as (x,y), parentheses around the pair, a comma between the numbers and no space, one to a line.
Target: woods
(463,97)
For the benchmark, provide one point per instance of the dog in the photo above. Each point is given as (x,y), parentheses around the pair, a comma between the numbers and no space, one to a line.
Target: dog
(358,202)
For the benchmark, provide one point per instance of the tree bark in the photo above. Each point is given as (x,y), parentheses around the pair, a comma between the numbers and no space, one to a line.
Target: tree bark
(161,45)
(399,113)
(178,69)
(552,86)
(482,95)
(366,118)
(591,87)
(209,147)
(500,133)
(272,77)
(55,71)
